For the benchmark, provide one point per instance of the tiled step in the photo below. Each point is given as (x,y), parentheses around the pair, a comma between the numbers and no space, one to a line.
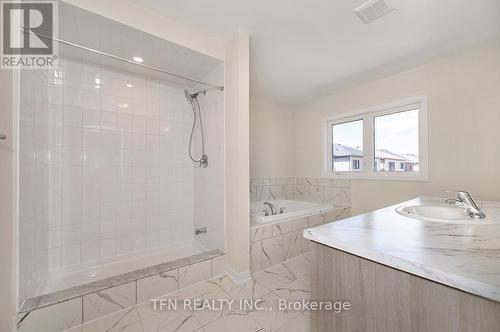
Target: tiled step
(73,306)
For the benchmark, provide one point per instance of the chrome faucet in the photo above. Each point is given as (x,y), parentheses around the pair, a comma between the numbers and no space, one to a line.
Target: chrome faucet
(272,207)
(464,200)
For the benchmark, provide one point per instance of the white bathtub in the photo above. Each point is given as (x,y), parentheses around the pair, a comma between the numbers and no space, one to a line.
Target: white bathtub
(293,210)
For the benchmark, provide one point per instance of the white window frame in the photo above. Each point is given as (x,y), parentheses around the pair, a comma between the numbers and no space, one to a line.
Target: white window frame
(368,115)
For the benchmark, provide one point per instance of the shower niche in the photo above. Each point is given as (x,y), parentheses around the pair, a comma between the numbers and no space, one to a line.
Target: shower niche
(106,182)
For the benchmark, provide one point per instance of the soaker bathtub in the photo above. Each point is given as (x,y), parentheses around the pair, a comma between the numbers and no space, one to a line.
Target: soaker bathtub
(293,210)
(275,239)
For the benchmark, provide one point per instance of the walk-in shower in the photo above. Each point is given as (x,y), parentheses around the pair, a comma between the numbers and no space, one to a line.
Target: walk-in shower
(105,183)
(193,100)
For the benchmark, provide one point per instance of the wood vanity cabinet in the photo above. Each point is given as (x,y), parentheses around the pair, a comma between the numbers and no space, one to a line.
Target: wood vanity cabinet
(384,299)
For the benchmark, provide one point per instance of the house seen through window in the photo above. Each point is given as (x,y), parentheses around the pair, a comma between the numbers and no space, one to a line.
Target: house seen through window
(396,141)
(347,146)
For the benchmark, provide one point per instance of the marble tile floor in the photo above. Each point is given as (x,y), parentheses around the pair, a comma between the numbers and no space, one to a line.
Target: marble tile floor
(288,280)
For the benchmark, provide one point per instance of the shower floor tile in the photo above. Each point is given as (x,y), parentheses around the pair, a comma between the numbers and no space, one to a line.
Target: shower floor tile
(224,317)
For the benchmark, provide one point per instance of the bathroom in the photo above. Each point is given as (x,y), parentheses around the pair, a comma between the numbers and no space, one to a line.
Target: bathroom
(204,166)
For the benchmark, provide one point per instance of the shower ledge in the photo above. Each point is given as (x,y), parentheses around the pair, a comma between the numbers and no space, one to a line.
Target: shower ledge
(99,285)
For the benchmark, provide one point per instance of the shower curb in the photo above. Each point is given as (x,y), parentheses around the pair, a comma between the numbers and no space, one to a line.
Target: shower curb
(69,294)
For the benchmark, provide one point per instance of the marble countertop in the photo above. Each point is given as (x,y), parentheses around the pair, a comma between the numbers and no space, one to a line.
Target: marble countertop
(462,256)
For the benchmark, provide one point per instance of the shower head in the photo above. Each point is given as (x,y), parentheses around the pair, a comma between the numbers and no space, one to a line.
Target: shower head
(191,96)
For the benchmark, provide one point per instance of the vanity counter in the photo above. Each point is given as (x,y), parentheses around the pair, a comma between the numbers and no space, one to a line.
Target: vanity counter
(462,256)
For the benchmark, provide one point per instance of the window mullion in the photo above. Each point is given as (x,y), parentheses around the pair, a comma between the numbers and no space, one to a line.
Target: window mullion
(328,162)
(368,153)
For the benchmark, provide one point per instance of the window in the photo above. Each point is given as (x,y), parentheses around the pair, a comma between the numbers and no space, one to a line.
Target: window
(396,140)
(386,142)
(355,164)
(347,147)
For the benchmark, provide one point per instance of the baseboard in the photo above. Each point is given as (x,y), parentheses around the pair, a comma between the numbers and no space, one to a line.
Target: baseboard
(237,277)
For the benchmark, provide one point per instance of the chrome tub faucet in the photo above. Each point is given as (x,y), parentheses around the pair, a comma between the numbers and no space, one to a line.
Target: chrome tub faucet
(272,207)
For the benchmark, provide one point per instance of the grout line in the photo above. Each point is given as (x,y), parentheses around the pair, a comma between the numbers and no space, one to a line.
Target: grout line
(135,281)
(82,311)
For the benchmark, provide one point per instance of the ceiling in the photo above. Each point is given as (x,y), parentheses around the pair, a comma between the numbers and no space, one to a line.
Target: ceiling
(303,49)
(85,28)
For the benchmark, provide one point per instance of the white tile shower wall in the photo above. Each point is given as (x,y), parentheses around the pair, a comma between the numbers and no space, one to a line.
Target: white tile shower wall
(209,182)
(34,186)
(126,182)
(104,169)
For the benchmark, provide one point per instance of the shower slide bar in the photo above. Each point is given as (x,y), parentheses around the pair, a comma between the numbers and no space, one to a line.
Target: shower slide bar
(116,57)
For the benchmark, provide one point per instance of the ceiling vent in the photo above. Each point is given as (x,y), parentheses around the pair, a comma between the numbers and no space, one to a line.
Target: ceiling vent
(373,9)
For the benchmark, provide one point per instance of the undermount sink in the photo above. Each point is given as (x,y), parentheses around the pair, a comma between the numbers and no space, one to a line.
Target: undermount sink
(441,213)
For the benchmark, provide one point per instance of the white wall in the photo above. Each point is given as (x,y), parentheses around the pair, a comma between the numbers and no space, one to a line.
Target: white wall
(272,139)
(464,117)
(209,182)
(237,154)
(8,252)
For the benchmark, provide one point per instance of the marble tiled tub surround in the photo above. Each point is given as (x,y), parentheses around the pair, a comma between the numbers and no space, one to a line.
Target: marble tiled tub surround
(71,307)
(263,189)
(271,244)
(310,189)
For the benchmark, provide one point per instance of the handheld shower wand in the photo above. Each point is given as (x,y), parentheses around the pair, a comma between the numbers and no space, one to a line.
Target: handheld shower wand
(193,100)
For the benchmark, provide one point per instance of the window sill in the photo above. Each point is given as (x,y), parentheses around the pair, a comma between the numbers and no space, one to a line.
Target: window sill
(378,177)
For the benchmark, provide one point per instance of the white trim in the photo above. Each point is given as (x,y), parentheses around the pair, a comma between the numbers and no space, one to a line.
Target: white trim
(238,278)
(367,115)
